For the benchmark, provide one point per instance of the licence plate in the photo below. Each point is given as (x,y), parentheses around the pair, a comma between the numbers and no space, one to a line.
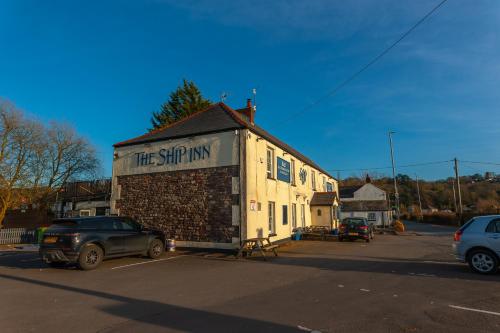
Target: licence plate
(50,240)
(353,234)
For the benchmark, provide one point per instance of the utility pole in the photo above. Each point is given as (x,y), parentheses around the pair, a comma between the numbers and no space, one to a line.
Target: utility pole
(419,200)
(460,207)
(454,197)
(396,194)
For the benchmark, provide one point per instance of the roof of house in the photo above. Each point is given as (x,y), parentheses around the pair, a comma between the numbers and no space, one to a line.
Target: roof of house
(348,191)
(364,205)
(323,198)
(217,117)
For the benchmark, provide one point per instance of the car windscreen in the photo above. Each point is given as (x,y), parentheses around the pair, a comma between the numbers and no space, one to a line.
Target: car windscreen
(356,222)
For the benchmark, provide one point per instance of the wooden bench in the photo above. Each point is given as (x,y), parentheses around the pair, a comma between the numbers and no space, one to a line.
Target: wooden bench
(262,244)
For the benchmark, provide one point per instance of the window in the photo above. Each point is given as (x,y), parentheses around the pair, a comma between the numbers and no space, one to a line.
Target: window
(294,215)
(303,215)
(259,206)
(270,163)
(85,212)
(372,217)
(313,179)
(319,212)
(285,214)
(324,184)
(292,171)
(494,226)
(272,217)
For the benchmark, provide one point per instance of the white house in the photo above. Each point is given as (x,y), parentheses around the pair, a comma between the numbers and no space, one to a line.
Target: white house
(366,201)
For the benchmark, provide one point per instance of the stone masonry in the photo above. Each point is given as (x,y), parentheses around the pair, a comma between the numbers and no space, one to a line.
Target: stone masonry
(188,205)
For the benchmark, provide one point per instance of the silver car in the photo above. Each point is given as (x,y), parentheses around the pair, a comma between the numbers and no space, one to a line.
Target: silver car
(478,243)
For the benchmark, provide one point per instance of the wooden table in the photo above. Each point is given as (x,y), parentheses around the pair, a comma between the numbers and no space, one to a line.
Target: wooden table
(263,244)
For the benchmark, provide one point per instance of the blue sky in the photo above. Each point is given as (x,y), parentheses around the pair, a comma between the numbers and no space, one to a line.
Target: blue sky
(104,66)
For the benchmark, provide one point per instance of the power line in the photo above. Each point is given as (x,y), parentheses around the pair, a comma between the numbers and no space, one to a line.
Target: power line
(485,163)
(399,166)
(367,65)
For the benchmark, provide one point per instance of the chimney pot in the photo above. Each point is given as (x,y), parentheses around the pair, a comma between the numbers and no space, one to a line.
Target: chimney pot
(249,102)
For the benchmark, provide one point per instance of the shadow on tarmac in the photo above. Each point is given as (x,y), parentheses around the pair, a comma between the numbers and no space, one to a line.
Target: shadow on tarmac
(164,315)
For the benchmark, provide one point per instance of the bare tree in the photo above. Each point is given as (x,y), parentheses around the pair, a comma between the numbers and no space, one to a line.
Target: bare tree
(39,160)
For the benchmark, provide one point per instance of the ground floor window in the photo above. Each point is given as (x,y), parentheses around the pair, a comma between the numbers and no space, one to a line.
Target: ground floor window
(294,215)
(372,217)
(303,215)
(272,217)
(285,214)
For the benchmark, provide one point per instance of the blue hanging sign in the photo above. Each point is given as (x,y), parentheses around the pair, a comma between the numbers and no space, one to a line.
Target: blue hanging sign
(283,173)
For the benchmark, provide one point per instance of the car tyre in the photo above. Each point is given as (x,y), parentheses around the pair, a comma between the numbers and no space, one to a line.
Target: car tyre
(90,257)
(156,248)
(483,261)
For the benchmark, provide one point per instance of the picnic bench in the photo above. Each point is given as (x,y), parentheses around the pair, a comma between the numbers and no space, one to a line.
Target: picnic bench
(262,244)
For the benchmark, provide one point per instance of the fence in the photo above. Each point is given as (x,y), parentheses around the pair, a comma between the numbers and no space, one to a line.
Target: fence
(17,236)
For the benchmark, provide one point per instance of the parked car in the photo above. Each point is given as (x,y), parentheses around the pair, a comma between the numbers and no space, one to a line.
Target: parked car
(478,243)
(87,241)
(356,228)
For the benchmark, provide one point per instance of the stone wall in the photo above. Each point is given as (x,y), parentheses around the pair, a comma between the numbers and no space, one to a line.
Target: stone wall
(188,205)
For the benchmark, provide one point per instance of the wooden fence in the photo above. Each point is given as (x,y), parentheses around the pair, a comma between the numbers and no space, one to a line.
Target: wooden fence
(17,236)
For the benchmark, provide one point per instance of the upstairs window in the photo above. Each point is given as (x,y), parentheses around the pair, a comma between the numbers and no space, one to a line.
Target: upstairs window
(313,180)
(292,171)
(270,163)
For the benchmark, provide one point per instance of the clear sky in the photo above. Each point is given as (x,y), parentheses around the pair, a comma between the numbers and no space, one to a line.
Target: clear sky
(104,66)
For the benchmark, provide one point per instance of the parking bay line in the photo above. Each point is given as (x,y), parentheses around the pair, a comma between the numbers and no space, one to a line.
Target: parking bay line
(148,262)
(474,310)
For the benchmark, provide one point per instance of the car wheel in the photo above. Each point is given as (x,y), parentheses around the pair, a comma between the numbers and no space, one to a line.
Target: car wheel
(483,261)
(90,257)
(155,249)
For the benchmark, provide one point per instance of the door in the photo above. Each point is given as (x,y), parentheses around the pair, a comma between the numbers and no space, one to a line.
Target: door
(129,236)
(493,235)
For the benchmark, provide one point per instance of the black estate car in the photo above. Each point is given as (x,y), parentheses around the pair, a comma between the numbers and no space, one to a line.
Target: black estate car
(356,228)
(86,241)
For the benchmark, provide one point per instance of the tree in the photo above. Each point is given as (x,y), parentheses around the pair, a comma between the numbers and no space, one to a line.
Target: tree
(184,101)
(36,160)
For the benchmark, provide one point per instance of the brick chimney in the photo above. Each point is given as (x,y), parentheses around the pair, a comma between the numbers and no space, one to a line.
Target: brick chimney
(368,180)
(249,111)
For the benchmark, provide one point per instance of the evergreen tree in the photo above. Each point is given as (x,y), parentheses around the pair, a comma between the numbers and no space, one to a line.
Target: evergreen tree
(182,102)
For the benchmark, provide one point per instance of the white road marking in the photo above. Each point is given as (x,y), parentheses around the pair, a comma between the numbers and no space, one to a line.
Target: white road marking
(474,310)
(340,286)
(148,262)
(365,290)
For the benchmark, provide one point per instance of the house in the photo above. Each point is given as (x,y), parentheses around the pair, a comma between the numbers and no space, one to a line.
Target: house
(366,201)
(83,198)
(215,178)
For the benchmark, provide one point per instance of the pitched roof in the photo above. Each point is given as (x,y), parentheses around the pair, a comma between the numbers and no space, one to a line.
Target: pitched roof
(323,198)
(217,117)
(348,191)
(364,205)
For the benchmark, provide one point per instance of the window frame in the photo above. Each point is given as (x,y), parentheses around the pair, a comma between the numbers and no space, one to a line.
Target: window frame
(270,164)
(294,215)
(313,180)
(284,214)
(374,216)
(496,226)
(303,215)
(271,217)
(292,171)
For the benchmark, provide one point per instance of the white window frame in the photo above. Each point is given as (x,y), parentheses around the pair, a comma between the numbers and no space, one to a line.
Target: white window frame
(271,212)
(370,215)
(270,162)
(303,215)
(294,215)
(87,211)
(292,170)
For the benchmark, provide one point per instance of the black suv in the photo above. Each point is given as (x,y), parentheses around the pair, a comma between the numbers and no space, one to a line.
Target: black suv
(86,241)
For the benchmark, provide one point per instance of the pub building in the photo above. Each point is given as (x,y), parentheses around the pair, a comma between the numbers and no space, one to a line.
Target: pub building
(215,178)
